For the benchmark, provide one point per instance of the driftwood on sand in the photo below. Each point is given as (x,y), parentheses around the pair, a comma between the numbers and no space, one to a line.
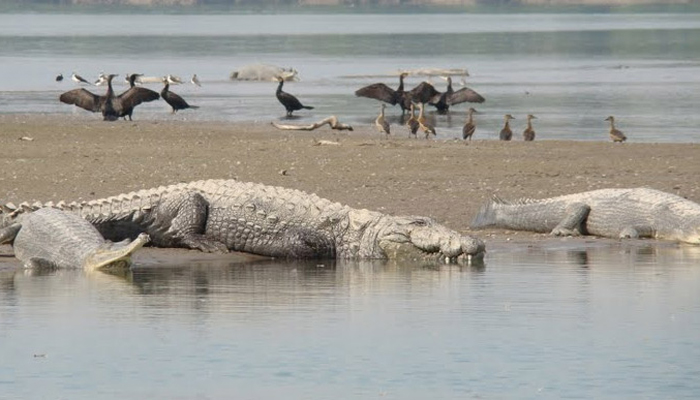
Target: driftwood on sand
(332,121)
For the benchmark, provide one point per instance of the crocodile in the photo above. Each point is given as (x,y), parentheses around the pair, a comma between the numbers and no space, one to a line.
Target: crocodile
(49,237)
(229,215)
(613,213)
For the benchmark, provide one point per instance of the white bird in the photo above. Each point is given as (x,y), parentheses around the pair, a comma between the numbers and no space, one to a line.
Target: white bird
(79,79)
(195,80)
(173,80)
(101,79)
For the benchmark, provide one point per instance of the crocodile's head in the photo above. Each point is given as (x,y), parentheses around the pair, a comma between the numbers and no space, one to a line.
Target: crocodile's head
(412,238)
(8,215)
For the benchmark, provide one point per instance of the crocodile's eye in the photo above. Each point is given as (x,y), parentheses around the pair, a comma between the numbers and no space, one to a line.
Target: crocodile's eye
(419,222)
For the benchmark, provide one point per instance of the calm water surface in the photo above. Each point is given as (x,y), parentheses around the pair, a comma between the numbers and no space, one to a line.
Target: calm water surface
(571,70)
(591,322)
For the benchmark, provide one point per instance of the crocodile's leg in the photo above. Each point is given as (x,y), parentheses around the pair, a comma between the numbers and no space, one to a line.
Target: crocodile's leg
(9,233)
(186,217)
(572,224)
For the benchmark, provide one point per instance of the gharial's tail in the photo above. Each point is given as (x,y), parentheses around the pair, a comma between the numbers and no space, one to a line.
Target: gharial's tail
(487,214)
(307,107)
(116,255)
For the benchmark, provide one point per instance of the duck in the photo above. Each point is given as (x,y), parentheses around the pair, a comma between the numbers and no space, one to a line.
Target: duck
(616,135)
(470,126)
(423,122)
(506,132)
(412,122)
(529,133)
(381,122)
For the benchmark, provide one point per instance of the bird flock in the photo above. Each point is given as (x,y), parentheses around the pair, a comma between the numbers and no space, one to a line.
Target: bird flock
(425,93)
(114,106)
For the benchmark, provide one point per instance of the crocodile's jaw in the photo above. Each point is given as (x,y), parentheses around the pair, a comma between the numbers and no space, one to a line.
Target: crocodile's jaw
(420,238)
(409,252)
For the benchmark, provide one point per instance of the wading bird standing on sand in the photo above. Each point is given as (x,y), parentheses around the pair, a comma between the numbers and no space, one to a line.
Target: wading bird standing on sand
(616,135)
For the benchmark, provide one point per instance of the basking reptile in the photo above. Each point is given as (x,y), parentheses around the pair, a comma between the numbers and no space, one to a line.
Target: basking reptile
(222,215)
(49,237)
(615,213)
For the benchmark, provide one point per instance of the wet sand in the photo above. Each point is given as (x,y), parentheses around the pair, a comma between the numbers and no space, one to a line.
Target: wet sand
(80,157)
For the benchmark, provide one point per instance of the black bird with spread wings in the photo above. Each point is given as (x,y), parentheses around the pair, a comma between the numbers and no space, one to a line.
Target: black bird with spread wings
(382,92)
(451,97)
(422,93)
(112,107)
(135,92)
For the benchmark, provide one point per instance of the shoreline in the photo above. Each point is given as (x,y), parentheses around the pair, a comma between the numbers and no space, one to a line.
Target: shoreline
(78,158)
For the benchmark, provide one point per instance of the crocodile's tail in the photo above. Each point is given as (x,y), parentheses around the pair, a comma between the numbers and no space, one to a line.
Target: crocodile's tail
(487,213)
(116,255)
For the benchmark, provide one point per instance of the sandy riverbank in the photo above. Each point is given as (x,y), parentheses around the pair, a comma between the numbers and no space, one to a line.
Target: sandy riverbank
(74,158)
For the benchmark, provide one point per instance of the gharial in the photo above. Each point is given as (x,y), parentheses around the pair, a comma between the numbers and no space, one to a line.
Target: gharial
(615,213)
(289,102)
(112,107)
(222,215)
(49,237)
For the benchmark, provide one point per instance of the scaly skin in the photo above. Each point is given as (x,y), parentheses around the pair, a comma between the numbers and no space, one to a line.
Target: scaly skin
(49,237)
(222,215)
(615,213)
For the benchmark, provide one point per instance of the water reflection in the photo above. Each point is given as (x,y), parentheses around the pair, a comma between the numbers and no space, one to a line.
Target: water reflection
(546,320)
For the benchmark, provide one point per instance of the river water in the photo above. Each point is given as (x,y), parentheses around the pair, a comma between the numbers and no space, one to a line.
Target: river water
(586,320)
(570,70)
(560,321)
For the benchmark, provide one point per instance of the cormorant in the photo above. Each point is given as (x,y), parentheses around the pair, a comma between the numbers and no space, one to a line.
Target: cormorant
(382,92)
(143,94)
(423,93)
(615,134)
(195,80)
(470,126)
(112,107)
(451,97)
(173,99)
(412,122)
(506,132)
(529,133)
(59,77)
(381,122)
(79,79)
(423,122)
(289,102)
